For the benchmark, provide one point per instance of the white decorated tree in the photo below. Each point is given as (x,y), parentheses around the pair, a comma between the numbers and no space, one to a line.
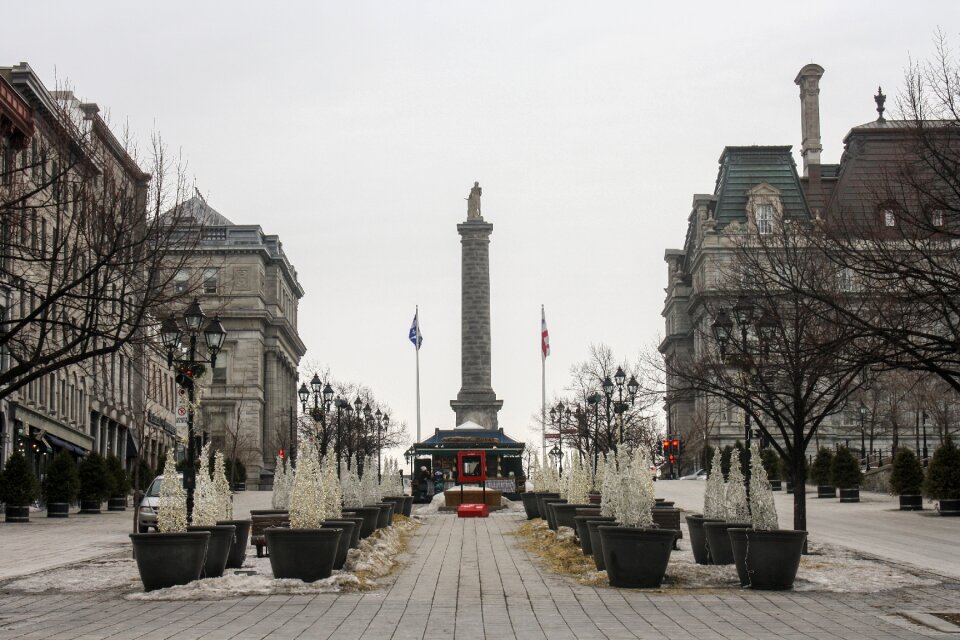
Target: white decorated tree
(221,487)
(713,493)
(610,489)
(369,485)
(206,503)
(172,510)
(578,483)
(281,487)
(763,511)
(350,484)
(735,497)
(534,473)
(307,503)
(636,500)
(332,491)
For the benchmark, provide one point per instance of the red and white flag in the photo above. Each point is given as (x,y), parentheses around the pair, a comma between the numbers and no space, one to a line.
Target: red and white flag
(544,335)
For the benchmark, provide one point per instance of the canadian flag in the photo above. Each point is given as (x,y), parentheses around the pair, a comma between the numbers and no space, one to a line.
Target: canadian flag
(544,334)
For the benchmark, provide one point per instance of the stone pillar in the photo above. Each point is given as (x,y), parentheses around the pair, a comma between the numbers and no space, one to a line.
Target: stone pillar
(476,401)
(809,82)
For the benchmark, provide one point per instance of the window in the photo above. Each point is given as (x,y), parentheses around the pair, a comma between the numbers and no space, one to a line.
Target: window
(845,280)
(210,278)
(937,218)
(220,371)
(180,281)
(764,216)
(889,218)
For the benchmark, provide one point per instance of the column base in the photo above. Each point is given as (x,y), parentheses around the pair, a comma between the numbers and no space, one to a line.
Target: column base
(482,412)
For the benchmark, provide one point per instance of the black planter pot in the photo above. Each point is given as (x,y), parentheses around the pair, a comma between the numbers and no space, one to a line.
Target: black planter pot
(850,495)
(530,505)
(239,544)
(397,502)
(370,516)
(767,559)
(16,514)
(911,503)
(698,538)
(789,488)
(551,517)
(775,485)
(89,506)
(355,532)
(58,509)
(826,491)
(541,504)
(218,549)
(718,542)
(636,558)
(563,514)
(594,497)
(666,504)
(407,505)
(949,507)
(385,519)
(343,546)
(168,559)
(302,554)
(596,544)
(583,531)
(117,503)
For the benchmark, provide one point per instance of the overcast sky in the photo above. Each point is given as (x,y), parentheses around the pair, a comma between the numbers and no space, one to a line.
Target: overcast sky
(354,131)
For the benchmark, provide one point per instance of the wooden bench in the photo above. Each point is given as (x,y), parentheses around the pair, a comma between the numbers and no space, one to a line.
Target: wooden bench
(668,518)
(258,526)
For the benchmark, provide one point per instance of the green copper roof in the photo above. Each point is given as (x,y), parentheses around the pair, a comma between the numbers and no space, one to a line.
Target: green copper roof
(742,168)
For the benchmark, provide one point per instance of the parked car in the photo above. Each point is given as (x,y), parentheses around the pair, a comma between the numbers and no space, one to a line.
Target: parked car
(696,475)
(147,511)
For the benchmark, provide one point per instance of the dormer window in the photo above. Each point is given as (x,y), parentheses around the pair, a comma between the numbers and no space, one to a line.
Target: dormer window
(937,218)
(889,218)
(764,216)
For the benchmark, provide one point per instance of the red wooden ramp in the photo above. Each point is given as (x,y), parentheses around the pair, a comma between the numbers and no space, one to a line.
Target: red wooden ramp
(473,511)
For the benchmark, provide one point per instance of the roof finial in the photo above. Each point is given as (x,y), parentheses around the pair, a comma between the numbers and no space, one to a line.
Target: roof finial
(880,99)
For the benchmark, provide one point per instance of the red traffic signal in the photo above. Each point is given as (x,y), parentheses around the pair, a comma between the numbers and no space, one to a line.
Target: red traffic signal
(676,444)
(666,446)
(282,455)
(671,458)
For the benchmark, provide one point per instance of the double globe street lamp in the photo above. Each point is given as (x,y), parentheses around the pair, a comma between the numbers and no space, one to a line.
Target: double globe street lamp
(322,400)
(620,405)
(188,369)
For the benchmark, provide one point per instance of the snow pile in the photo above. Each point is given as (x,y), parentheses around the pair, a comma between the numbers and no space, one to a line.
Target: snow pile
(565,534)
(430,509)
(233,586)
(106,574)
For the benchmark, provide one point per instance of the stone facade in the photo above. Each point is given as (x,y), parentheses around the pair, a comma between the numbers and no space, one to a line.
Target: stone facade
(476,401)
(249,401)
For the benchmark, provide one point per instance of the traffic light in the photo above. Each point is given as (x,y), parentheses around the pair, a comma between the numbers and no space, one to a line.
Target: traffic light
(283,456)
(676,446)
(665,447)
(659,447)
(671,459)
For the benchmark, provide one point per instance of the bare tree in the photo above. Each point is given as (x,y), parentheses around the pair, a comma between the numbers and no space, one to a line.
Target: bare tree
(85,243)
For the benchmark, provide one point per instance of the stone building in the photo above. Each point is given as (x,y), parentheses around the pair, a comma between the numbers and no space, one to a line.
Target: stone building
(249,401)
(756,187)
(99,404)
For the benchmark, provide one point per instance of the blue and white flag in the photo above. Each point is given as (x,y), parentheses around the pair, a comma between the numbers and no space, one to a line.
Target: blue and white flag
(415,336)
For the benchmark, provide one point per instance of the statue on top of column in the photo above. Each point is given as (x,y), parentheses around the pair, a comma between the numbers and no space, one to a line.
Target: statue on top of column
(473,202)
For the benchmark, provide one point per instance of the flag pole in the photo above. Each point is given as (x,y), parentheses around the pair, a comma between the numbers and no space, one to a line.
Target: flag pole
(417,345)
(543,393)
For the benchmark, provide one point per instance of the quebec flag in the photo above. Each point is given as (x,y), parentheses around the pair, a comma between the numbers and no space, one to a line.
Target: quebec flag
(415,336)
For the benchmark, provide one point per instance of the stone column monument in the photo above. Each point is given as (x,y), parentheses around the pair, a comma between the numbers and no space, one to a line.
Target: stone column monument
(476,401)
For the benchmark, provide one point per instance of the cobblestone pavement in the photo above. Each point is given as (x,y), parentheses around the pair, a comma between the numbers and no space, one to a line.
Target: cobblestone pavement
(468,578)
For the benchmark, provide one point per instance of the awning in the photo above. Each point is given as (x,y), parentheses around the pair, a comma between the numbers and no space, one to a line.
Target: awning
(63,444)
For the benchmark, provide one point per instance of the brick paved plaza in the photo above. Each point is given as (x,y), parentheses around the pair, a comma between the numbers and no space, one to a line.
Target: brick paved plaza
(471,579)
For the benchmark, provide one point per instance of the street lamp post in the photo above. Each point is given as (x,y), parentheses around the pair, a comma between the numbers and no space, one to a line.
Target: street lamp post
(213,336)
(557,456)
(556,417)
(383,422)
(924,423)
(764,326)
(347,410)
(863,435)
(322,400)
(594,401)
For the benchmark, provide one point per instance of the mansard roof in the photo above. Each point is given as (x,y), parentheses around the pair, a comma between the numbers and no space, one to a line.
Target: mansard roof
(742,168)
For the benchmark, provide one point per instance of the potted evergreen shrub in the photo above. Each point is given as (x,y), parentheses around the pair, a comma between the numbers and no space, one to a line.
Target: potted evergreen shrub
(61,486)
(529,498)
(608,475)
(391,487)
(736,515)
(119,483)
(845,473)
(577,484)
(634,552)
(95,483)
(209,507)
(714,510)
(18,488)
(333,501)
(353,499)
(906,480)
(173,555)
(771,464)
(821,473)
(766,557)
(943,478)
(305,551)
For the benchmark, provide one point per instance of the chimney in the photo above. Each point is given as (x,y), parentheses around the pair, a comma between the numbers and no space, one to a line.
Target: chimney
(809,82)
